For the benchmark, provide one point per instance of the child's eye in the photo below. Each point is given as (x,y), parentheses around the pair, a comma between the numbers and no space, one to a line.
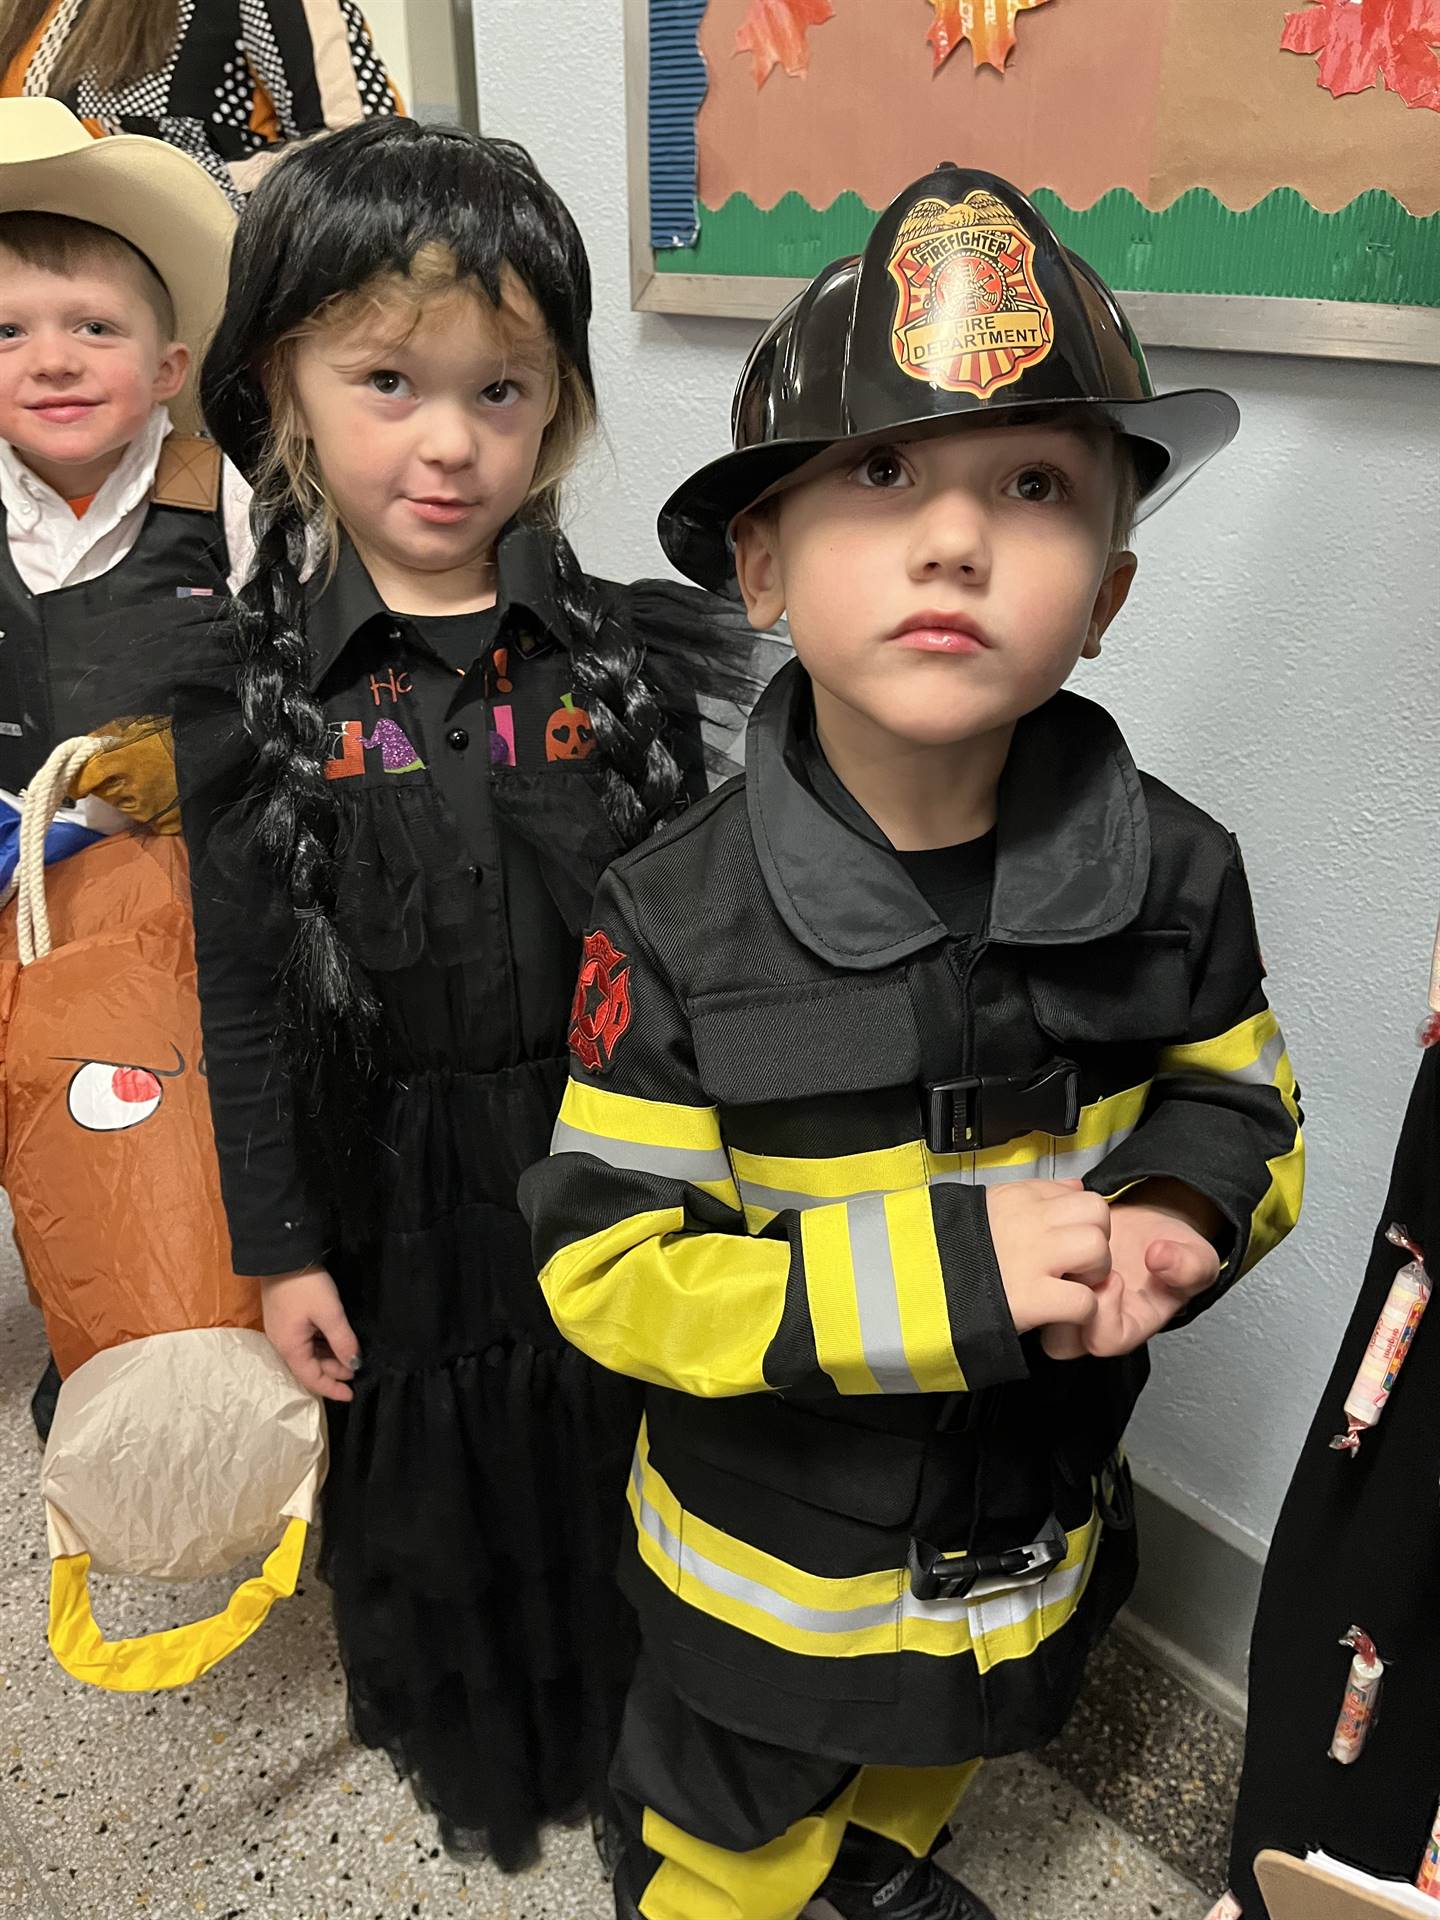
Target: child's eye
(883,470)
(502,393)
(97,329)
(8,330)
(1039,486)
(389,384)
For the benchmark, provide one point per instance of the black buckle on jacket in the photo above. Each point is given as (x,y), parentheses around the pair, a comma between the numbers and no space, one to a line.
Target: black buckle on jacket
(954,1576)
(986,1110)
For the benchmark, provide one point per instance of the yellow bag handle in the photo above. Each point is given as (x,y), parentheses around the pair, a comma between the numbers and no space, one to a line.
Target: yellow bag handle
(173,1658)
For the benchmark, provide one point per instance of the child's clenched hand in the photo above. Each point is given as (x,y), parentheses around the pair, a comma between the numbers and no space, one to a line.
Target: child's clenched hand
(1052,1243)
(306,1325)
(1161,1258)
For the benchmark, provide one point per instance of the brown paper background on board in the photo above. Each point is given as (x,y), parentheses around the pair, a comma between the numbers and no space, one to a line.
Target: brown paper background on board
(1242,117)
(869,116)
(1155,96)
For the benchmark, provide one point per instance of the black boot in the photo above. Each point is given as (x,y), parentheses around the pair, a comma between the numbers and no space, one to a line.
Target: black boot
(876,1877)
(42,1401)
(627,1898)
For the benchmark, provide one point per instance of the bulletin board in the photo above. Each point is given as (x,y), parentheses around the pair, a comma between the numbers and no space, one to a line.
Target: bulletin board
(1262,175)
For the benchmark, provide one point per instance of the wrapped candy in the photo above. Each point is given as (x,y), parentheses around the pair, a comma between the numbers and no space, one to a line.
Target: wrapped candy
(1390,1342)
(1428,1878)
(1362,1698)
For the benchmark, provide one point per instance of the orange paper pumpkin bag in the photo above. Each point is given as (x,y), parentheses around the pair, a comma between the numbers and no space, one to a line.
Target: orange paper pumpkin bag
(181,1443)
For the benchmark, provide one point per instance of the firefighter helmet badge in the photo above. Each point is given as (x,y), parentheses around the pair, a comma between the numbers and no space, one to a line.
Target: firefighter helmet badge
(969,317)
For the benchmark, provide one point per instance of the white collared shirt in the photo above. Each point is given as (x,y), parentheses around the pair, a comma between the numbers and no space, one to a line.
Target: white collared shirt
(51,548)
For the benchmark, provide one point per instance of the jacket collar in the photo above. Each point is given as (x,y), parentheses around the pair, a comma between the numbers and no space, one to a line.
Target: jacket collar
(1072,845)
(26,497)
(343,604)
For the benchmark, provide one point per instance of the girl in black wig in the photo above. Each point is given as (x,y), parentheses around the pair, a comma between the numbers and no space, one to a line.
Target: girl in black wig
(438,733)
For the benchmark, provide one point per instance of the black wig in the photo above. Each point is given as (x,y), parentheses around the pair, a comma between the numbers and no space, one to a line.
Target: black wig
(332,215)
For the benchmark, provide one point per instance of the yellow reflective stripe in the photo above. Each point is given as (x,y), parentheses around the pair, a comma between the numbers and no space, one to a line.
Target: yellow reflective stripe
(623,1116)
(843,1618)
(646,1136)
(1251,1051)
(877,1295)
(834,1306)
(1254,1054)
(770,1183)
(693,1311)
(842,1176)
(1279,1208)
(920,1291)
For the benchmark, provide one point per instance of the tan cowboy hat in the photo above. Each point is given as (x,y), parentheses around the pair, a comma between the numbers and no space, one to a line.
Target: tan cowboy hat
(151,194)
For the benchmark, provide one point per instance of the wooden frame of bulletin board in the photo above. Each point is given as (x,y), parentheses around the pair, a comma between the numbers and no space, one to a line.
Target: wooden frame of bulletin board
(1231,200)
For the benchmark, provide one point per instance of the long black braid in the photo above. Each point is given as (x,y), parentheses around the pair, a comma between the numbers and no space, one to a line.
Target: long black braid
(640,775)
(327,1006)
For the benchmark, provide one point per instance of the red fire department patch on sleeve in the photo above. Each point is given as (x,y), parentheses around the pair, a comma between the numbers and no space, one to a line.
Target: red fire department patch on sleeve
(602,1009)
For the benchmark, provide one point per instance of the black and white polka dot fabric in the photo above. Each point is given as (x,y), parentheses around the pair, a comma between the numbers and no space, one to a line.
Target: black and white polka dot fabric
(245,76)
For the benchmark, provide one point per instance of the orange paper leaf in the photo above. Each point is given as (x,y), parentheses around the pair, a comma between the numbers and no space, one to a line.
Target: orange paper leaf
(989,26)
(774,32)
(1358,42)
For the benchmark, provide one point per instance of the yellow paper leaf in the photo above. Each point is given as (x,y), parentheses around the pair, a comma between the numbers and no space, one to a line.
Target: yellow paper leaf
(989,26)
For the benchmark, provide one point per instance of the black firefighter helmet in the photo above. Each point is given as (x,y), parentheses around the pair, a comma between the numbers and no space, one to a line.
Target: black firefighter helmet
(964,302)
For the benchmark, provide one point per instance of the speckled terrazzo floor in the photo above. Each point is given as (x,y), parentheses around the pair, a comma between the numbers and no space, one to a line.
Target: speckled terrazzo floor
(244,1797)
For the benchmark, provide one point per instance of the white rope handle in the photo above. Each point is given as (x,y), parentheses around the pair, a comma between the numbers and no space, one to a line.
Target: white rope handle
(43,799)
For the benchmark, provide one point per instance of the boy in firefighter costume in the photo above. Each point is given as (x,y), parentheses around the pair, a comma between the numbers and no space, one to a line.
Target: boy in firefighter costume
(919,1075)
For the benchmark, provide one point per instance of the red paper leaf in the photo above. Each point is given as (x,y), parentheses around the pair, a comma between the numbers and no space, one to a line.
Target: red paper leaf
(773,33)
(1358,42)
(989,26)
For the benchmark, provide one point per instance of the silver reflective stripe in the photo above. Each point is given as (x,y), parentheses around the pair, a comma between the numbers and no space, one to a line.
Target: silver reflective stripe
(694,1164)
(750,1592)
(1264,1071)
(1261,1072)
(877,1296)
(983,1613)
(1062,1166)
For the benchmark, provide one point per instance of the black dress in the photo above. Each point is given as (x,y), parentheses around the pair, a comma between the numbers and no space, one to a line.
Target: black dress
(475,1491)
(1358,1543)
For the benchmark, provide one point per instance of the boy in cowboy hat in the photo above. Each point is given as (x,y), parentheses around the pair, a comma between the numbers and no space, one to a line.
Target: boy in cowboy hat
(112,268)
(919,1076)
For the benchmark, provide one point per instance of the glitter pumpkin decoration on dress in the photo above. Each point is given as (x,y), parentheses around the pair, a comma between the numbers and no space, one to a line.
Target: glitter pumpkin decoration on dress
(181,1445)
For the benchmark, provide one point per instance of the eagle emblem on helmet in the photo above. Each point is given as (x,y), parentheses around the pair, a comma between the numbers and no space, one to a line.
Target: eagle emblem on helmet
(969,317)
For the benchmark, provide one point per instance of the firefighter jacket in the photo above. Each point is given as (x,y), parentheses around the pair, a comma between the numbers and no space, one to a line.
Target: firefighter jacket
(869,1519)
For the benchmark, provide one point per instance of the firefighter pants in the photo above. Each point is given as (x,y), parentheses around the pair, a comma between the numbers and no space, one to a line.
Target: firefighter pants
(723,1826)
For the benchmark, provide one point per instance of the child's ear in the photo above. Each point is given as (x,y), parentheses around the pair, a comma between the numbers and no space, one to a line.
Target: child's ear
(1114,592)
(170,375)
(757,567)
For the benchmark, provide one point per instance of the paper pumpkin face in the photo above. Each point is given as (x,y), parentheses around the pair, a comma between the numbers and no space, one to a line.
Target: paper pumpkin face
(568,732)
(181,1444)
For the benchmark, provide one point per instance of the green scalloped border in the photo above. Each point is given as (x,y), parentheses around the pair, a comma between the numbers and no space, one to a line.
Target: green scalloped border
(1372,250)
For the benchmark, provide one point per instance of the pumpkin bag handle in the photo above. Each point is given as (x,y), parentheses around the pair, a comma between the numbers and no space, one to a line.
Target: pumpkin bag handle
(178,1656)
(43,799)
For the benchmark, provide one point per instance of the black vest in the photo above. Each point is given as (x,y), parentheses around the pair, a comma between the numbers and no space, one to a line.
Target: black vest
(52,643)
